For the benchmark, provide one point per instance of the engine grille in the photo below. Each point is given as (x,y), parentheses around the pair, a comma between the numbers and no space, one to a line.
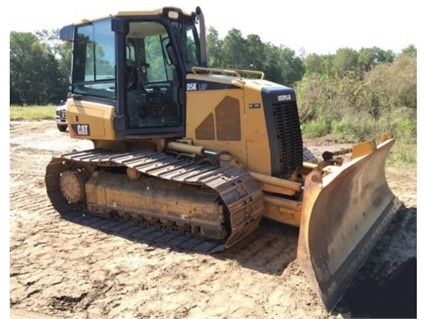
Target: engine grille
(289,138)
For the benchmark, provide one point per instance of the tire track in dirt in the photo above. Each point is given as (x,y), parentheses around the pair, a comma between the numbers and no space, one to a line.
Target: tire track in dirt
(269,254)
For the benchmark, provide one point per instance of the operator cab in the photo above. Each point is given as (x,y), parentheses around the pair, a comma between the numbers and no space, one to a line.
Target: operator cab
(136,62)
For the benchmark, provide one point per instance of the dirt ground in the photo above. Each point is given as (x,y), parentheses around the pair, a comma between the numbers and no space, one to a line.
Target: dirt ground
(63,269)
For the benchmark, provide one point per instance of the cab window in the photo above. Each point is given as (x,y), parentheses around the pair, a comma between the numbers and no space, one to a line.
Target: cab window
(94,64)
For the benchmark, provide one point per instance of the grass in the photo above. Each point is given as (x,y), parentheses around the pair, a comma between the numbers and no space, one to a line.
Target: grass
(403,155)
(30,113)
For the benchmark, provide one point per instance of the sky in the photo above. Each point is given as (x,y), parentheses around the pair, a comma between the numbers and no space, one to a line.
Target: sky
(306,26)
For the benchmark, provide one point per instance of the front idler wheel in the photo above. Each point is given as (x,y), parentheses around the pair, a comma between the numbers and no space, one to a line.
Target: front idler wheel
(72,186)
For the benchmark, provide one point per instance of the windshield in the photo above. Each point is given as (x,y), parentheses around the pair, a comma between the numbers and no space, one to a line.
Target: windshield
(94,61)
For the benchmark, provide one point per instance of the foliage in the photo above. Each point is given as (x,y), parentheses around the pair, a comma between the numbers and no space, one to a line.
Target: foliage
(37,112)
(214,44)
(403,155)
(317,128)
(352,103)
(280,64)
(395,84)
(356,96)
(36,74)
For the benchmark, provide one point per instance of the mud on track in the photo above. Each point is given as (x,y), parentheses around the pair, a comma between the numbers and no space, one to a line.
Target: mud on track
(84,267)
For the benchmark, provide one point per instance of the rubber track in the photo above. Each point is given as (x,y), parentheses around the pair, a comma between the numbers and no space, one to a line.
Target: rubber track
(238,190)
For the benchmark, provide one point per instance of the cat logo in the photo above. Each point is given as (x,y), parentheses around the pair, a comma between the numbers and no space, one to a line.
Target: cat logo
(81,129)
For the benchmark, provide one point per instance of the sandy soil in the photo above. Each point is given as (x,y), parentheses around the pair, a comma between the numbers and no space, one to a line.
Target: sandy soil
(62,269)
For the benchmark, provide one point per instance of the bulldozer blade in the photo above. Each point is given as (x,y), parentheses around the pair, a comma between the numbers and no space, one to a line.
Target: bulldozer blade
(343,216)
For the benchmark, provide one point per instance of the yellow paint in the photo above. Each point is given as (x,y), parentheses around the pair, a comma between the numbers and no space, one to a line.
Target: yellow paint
(252,151)
(257,141)
(97,116)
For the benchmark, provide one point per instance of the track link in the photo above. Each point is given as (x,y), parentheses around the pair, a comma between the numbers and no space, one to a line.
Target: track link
(238,191)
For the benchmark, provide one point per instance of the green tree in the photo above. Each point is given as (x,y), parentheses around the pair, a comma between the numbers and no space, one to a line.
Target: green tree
(314,63)
(376,93)
(345,61)
(279,64)
(255,52)
(271,63)
(292,68)
(61,50)
(35,77)
(214,44)
(410,51)
(50,39)
(395,83)
(368,58)
(234,48)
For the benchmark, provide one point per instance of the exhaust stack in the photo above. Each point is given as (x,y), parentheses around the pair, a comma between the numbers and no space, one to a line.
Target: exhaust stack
(203,46)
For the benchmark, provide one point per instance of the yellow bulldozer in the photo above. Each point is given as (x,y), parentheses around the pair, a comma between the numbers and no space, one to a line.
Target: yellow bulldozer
(209,152)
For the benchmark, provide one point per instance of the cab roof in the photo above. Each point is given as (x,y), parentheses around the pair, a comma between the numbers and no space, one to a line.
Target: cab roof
(155,12)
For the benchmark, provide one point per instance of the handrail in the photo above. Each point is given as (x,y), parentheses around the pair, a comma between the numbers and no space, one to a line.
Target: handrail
(237,73)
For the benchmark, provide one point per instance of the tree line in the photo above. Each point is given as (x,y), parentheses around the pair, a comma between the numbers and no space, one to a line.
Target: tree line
(336,92)
(39,68)
(351,94)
